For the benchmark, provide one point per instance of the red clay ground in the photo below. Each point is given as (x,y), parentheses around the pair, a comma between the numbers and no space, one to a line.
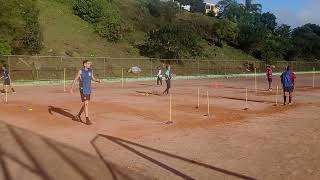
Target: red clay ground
(130,140)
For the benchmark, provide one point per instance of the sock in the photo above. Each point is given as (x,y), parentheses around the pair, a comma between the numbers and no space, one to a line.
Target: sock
(290,98)
(285,99)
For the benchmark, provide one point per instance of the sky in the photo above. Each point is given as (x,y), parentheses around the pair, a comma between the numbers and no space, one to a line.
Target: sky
(292,12)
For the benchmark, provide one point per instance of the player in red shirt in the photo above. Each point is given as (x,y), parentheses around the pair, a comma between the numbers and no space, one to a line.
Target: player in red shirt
(269,77)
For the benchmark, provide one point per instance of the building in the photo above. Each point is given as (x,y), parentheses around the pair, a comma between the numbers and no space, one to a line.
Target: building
(211,8)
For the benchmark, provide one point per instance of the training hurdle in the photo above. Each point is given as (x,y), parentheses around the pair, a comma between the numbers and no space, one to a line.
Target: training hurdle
(122,79)
(208,100)
(313,78)
(6,94)
(170,110)
(64,79)
(198,105)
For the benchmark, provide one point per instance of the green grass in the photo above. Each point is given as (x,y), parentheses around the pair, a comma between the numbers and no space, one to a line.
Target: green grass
(65,33)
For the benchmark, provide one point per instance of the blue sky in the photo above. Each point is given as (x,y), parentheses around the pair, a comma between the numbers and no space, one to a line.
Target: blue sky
(291,12)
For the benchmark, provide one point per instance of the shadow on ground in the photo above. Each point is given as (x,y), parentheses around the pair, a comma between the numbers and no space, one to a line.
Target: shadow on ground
(25,155)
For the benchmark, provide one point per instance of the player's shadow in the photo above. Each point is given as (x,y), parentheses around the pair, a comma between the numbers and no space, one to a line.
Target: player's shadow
(61,111)
(123,143)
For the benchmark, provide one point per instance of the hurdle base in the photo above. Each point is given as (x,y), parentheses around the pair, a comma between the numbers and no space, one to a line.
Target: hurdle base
(169,122)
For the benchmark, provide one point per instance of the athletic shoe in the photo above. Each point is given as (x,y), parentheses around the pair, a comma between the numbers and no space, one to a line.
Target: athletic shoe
(290,103)
(76,118)
(88,122)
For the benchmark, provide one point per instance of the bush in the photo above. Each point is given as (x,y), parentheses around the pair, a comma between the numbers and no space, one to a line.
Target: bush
(5,48)
(172,41)
(33,37)
(19,27)
(89,10)
(112,28)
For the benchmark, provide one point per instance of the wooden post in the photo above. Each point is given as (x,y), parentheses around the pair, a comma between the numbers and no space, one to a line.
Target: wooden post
(122,78)
(6,100)
(313,78)
(64,79)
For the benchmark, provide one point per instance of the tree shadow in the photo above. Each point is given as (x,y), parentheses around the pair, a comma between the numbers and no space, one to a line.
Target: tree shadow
(37,166)
(124,143)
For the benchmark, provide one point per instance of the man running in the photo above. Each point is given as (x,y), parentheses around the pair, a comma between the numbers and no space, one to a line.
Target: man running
(168,76)
(287,80)
(7,79)
(269,77)
(85,75)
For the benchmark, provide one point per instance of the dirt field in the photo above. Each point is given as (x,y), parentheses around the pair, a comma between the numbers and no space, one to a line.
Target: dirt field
(130,140)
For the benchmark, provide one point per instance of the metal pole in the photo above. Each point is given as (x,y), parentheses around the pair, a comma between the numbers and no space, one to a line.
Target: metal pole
(208,101)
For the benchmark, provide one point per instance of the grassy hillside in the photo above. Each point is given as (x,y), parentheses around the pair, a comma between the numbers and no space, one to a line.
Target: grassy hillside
(66,34)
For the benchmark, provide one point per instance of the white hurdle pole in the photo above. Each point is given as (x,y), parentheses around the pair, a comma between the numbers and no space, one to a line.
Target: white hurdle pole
(64,79)
(313,78)
(208,101)
(198,98)
(170,119)
(6,100)
(246,99)
(255,80)
(122,78)
(277,92)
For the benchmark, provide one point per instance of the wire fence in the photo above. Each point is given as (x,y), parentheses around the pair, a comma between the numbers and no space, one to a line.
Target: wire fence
(52,68)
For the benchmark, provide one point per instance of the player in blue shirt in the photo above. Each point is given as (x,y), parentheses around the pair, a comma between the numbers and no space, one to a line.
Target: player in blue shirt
(7,78)
(85,76)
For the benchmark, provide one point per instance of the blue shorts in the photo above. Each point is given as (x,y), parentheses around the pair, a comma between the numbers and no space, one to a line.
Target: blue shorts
(288,89)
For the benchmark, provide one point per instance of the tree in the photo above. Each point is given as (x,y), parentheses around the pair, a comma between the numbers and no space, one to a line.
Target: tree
(269,20)
(172,41)
(19,27)
(224,5)
(253,8)
(197,6)
(306,41)
(89,10)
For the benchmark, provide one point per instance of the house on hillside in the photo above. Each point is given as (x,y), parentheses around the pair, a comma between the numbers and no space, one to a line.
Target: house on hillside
(206,8)
(211,9)
(187,7)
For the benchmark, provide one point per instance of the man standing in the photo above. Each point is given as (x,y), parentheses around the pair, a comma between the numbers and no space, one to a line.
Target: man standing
(7,79)
(85,75)
(269,77)
(168,76)
(287,80)
(159,76)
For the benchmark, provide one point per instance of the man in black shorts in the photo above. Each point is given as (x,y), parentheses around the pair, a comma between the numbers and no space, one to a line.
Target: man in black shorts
(7,79)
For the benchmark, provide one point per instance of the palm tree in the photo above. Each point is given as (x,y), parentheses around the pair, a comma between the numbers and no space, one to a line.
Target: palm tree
(253,8)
